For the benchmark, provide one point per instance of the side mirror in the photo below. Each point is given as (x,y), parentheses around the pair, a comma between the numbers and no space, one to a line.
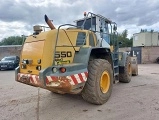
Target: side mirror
(120,43)
(101,30)
(114,27)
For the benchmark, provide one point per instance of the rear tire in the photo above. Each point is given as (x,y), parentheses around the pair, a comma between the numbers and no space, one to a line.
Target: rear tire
(135,72)
(98,87)
(126,73)
(157,60)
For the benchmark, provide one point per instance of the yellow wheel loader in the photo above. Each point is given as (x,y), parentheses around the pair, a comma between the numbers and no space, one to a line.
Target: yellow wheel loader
(76,59)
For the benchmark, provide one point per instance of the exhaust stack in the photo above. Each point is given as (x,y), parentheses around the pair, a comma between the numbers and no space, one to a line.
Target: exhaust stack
(49,22)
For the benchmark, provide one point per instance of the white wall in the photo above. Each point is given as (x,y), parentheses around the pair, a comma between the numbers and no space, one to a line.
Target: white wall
(146,39)
(139,39)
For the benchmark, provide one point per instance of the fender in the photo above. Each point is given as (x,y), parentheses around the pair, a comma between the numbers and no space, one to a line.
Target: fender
(87,53)
(122,58)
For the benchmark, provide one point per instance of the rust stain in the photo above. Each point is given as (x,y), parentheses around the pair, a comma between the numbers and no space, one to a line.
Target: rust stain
(27,80)
(60,84)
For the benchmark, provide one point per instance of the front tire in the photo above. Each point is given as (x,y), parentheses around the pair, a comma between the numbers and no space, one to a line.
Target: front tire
(98,87)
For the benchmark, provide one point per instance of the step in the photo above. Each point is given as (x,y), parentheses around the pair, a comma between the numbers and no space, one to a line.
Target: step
(116,66)
(116,74)
(115,59)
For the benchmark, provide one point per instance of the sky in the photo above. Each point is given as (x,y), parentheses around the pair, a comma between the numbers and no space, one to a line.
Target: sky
(17,17)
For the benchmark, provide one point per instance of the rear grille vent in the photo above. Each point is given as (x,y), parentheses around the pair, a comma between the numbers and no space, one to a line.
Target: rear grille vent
(81,38)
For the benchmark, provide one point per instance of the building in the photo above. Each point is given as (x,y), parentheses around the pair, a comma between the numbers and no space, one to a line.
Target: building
(146,46)
(146,39)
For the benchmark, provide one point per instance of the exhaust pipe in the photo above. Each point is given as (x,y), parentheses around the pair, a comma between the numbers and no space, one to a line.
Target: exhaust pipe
(49,22)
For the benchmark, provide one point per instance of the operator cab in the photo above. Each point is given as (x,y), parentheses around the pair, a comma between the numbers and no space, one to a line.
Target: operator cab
(100,25)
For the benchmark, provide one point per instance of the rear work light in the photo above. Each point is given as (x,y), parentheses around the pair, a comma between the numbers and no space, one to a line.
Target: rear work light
(62,69)
(27,61)
(38,67)
(23,66)
(39,61)
(85,14)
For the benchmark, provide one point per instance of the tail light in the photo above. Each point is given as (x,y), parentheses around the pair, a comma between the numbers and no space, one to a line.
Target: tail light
(62,69)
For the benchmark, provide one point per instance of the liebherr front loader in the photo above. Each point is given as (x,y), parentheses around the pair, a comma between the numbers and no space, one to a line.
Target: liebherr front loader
(80,59)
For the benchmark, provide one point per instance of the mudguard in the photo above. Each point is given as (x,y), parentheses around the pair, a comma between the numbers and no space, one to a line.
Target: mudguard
(122,58)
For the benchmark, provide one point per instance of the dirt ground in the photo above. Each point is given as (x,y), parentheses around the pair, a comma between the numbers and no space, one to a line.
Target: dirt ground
(137,100)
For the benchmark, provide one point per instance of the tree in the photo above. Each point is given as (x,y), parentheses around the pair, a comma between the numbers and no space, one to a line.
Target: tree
(124,34)
(12,40)
(126,42)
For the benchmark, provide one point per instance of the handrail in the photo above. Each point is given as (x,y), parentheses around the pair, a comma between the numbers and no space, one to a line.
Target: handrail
(57,36)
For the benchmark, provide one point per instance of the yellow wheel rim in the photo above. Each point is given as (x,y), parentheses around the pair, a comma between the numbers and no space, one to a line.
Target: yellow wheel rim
(105,82)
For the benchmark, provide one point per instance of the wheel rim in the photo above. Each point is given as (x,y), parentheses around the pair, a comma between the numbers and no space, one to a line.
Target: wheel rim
(129,69)
(105,82)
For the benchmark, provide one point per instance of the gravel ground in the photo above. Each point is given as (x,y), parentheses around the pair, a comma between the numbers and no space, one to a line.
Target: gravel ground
(137,100)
